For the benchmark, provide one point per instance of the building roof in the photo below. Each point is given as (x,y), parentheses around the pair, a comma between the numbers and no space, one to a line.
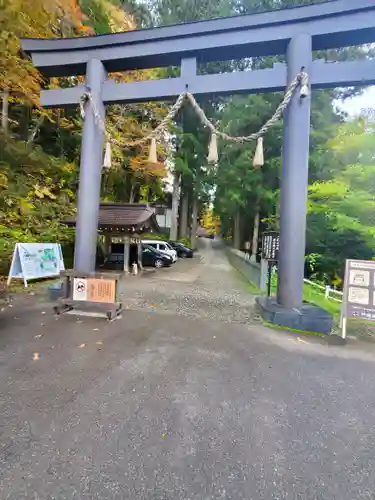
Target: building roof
(123,217)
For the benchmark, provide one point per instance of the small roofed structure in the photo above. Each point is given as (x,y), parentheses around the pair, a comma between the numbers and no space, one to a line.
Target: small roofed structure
(125,221)
(119,218)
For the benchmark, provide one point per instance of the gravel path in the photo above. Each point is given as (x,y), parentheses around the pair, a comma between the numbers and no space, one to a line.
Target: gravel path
(205,287)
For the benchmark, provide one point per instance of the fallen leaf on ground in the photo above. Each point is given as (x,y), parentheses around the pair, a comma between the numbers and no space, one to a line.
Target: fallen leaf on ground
(301,340)
(38,336)
(36,356)
(82,345)
(163,435)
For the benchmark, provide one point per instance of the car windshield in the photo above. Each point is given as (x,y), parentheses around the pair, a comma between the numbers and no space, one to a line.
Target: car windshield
(168,246)
(148,247)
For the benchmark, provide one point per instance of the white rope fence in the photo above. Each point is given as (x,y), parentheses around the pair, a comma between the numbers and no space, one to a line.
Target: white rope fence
(300,81)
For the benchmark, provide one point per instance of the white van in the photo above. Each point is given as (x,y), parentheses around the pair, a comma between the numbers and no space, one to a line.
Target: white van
(163,247)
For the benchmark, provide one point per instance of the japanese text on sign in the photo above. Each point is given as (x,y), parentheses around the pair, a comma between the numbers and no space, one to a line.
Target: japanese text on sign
(36,260)
(102,290)
(270,246)
(359,290)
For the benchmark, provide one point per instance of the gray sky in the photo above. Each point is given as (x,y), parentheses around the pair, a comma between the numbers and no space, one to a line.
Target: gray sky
(366,100)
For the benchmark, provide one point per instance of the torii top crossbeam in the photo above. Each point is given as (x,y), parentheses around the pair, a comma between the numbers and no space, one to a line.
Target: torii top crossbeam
(333,24)
(338,23)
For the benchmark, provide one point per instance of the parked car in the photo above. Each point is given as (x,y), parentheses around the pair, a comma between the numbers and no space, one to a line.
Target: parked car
(154,258)
(181,249)
(162,246)
(150,257)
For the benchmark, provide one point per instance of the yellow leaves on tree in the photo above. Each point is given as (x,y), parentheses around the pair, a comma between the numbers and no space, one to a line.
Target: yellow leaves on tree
(140,165)
(210,221)
(35,19)
(131,122)
(119,20)
(62,18)
(43,192)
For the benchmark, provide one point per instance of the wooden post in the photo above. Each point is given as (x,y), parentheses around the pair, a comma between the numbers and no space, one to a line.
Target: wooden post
(139,253)
(126,254)
(107,245)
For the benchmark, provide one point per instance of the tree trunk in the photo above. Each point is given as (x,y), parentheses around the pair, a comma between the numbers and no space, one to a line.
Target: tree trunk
(184,215)
(5,111)
(35,130)
(132,193)
(237,231)
(254,246)
(194,223)
(174,212)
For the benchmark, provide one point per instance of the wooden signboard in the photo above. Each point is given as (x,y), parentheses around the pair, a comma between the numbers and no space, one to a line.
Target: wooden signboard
(270,246)
(90,292)
(101,290)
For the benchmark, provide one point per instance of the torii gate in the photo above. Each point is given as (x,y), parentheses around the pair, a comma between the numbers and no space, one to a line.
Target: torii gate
(295,32)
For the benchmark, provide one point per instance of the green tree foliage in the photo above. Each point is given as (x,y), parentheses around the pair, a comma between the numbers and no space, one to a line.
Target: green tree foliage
(36,194)
(334,148)
(341,210)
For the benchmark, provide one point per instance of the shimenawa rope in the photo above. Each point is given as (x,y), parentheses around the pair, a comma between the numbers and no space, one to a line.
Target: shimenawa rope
(301,80)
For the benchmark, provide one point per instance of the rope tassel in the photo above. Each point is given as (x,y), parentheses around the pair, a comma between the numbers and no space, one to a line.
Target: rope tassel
(213,156)
(258,160)
(304,82)
(107,163)
(153,157)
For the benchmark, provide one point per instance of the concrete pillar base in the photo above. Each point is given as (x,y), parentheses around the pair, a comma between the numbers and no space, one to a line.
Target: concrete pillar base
(336,340)
(307,318)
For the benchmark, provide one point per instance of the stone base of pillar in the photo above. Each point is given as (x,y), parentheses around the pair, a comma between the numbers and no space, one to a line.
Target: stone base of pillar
(336,340)
(308,318)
